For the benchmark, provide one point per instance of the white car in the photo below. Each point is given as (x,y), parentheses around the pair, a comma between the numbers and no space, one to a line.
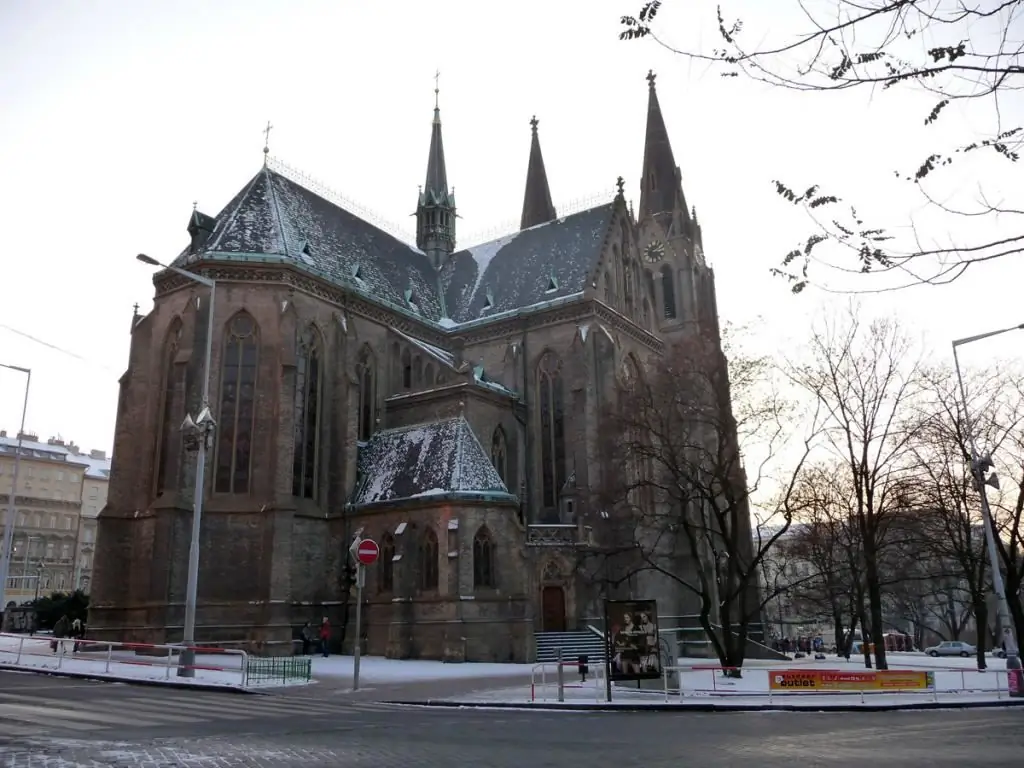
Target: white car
(951,648)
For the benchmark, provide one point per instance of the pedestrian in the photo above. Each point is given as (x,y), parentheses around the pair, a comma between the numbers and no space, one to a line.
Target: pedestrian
(76,633)
(325,635)
(60,630)
(307,637)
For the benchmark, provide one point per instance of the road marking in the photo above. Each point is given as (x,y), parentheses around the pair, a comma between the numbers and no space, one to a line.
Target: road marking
(63,718)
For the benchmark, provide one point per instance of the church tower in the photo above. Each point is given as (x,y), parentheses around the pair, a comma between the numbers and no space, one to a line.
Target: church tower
(435,212)
(537,205)
(670,237)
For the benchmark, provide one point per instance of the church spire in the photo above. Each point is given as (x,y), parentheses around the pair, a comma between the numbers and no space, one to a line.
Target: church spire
(661,184)
(537,206)
(435,212)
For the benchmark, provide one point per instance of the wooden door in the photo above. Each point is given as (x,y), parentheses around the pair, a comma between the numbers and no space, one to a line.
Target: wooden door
(553,609)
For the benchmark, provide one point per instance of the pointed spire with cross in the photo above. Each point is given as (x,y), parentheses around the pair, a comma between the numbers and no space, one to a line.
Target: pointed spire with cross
(437,89)
(266,142)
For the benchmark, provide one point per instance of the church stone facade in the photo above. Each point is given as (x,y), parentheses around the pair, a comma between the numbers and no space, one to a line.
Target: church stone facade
(443,402)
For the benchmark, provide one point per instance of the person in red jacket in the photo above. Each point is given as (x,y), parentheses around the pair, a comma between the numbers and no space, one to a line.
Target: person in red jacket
(325,635)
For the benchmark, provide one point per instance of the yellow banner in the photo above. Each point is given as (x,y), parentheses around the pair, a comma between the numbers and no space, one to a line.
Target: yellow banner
(839,680)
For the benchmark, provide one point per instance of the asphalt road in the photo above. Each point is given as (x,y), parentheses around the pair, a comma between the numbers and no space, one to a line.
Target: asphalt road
(50,722)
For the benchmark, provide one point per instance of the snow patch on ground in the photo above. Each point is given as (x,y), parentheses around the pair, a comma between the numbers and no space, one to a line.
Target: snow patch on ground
(376,669)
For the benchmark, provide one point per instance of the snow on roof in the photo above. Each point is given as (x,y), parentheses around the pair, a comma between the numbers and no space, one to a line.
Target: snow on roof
(437,353)
(95,468)
(442,458)
(518,271)
(33,449)
(275,218)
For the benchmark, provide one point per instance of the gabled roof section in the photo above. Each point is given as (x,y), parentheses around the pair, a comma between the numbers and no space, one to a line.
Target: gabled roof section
(442,458)
(547,262)
(275,218)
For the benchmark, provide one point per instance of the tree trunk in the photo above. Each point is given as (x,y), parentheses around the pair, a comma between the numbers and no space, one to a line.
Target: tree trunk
(981,622)
(864,636)
(875,602)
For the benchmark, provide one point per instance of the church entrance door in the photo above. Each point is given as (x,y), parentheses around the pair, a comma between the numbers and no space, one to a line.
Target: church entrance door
(553,609)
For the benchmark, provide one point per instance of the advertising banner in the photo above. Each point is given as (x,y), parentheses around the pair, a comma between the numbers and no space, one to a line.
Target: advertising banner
(634,653)
(839,680)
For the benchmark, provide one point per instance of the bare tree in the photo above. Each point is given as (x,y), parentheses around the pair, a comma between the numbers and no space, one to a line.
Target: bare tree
(962,53)
(828,539)
(864,377)
(675,490)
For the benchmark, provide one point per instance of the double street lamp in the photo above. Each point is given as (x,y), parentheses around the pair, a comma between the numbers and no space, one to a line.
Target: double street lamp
(198,436)
(979,465)
(5,555)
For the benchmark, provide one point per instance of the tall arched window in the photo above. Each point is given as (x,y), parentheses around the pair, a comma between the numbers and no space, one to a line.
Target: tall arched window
(668,288)
(237,405)
(552,428)
(406,369)
(386,567)
(308,383)
(428,560)
(499,453)
(367,374)
(609,289)
(171,416)
(483,559)
(417,371)
(428,375)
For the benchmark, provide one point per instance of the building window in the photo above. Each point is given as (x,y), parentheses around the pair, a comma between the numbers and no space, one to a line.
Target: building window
(308,382)
(170,419)
(483,559)
(237,405)
(668,290)
(428,375)
(49,550)
(52,521)
(552,429)
(499,453)
(406,369)
(428,560)
(366,372)
(386,569)
(65,551)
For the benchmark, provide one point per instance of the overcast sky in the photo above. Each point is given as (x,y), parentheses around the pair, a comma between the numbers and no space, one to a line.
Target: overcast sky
(119,113)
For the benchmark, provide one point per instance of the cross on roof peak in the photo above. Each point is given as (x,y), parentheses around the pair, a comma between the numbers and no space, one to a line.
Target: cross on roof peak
(650,77)
(533,123)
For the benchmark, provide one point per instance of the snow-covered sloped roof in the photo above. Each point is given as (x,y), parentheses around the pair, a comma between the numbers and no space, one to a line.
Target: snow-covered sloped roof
(278,219)
(539,264)
(442,458)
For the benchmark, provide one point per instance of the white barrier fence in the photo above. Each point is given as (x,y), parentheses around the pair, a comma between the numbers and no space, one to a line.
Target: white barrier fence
(552,675)
(141,661)
(709,680)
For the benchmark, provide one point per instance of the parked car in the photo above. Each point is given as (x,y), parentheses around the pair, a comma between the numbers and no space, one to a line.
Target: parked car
(999,653)
(951,648)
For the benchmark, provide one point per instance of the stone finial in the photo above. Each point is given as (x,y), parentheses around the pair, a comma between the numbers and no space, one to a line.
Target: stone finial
(621,184)
(650,78)
(533,123)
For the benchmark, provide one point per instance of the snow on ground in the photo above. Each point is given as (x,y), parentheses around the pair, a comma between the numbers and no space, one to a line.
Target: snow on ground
(376,669)
(35,654)
(225,669)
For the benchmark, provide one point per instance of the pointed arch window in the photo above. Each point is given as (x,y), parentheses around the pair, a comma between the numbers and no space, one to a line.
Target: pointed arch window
(386,567)
(237,405)
(552,428)
(428,560)
(367,374)
(499,453)
(417,371)
(308,387)
(406,369)
(609,289)
(428,375)
(668,288)
(169,448)
(483,560)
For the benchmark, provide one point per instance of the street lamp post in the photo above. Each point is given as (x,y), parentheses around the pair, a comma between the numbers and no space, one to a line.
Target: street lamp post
(5,555)
(198,435)
(978,467)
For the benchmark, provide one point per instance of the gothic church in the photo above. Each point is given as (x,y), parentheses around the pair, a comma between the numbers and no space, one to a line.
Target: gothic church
(442,401)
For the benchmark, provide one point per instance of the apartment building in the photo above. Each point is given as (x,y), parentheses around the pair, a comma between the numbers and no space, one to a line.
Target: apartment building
(59,496)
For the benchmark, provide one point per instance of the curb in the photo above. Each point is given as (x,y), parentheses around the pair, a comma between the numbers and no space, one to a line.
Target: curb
(130,680)
(710,707)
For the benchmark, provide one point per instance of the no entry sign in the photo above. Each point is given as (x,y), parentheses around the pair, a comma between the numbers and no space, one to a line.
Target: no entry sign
(368,552)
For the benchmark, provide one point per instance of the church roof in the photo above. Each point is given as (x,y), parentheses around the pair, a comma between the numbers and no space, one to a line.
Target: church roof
(442,458)
(539,264)
(274,218)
